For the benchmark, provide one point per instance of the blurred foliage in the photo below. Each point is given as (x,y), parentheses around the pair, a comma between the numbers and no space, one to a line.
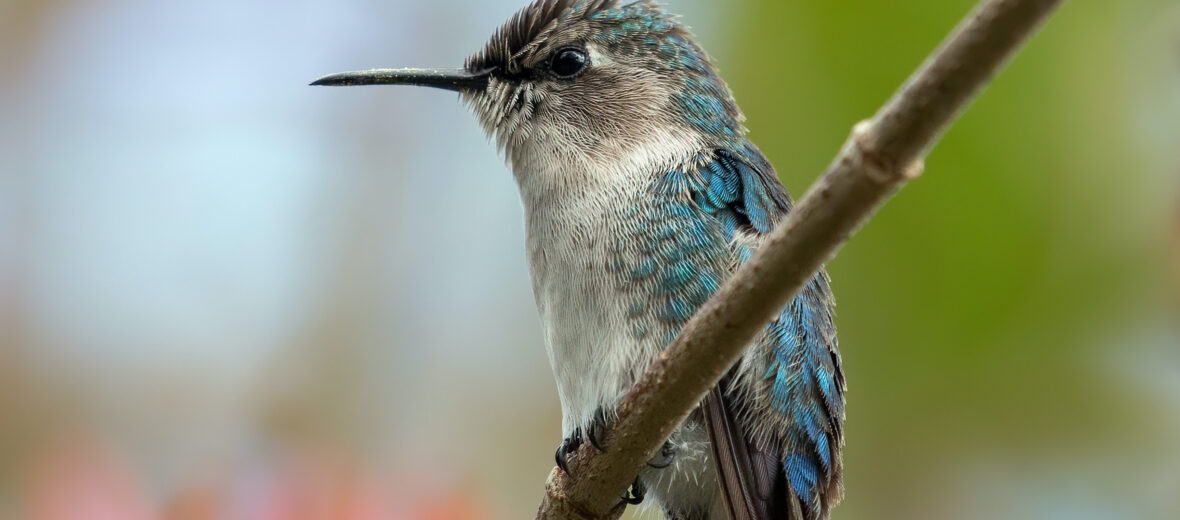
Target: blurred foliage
(983,311)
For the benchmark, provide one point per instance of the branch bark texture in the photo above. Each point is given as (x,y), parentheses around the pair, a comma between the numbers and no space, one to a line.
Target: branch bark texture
(879,157)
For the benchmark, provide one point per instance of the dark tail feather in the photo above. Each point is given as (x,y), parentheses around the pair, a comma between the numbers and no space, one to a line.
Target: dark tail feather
(752,482)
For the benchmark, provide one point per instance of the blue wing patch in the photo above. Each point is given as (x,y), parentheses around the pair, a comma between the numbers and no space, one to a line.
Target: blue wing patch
(803,381)
(739,194)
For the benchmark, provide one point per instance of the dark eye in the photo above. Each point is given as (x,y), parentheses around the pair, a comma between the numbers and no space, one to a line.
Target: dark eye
(567,63)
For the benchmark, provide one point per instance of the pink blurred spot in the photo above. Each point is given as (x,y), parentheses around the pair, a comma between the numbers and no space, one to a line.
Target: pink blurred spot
(83,482)
(316,488)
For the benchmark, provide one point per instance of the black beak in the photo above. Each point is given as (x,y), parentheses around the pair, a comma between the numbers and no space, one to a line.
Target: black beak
(458,80)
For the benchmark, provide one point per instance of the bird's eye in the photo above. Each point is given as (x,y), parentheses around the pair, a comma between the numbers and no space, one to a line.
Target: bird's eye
(568,62)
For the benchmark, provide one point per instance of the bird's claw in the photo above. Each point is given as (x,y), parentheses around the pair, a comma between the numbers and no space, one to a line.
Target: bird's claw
(568,445)
(665,458)
(593,432)
(636,494)
(597,428)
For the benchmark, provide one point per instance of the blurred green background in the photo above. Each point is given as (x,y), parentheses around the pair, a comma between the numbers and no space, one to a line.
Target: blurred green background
(1007,322)
(226,295)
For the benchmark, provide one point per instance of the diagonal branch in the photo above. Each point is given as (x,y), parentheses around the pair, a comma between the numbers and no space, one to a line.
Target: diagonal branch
(880,156)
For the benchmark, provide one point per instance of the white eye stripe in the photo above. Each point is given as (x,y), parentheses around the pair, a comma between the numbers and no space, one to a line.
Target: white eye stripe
(598,58)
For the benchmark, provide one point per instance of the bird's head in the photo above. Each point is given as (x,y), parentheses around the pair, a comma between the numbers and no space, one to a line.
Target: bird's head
(584,80)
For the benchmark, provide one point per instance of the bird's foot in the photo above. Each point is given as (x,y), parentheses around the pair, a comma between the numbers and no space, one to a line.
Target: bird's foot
(665,457)
(636,494)
(593,432)
(597,428)
(568,445)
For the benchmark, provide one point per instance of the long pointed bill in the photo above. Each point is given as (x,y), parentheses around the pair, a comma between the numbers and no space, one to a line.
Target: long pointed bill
(458,80)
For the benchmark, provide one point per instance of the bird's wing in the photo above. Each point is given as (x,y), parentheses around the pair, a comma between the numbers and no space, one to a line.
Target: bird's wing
(776,423)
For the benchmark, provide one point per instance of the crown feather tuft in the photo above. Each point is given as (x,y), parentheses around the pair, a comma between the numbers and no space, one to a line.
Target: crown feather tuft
(525,28)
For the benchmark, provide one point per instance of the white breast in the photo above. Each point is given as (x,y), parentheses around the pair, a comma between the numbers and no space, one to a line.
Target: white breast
(575,213)
(581,312)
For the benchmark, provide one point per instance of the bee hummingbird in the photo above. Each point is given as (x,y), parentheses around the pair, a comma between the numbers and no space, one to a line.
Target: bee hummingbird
(641,195)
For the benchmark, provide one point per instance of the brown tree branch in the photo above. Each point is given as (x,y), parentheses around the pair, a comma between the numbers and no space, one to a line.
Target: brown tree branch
(880,156)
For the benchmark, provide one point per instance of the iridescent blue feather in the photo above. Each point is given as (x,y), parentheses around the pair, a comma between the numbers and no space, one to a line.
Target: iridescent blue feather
(703,214)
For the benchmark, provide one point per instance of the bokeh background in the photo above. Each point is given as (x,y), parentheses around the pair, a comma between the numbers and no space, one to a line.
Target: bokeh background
(226,295)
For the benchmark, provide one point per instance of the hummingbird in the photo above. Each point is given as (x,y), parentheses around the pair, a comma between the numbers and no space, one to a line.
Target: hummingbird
(642,194)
